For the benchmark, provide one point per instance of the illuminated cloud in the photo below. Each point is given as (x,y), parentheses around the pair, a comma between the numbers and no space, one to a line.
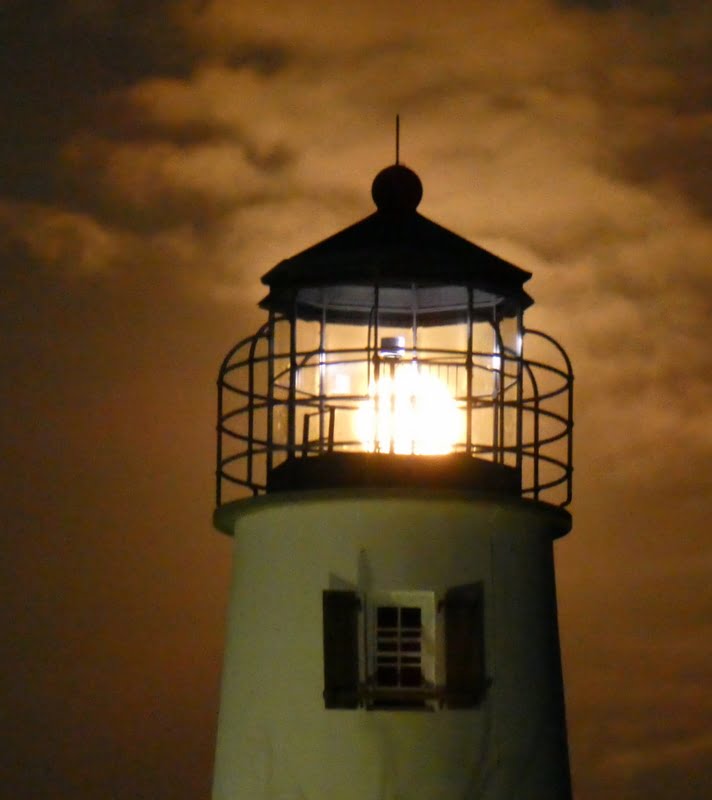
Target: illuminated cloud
(70,244)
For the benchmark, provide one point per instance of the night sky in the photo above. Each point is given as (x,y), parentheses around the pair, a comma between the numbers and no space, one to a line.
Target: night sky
(157,158)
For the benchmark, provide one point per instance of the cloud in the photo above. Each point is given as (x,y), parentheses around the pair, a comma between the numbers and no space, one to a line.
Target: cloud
(173,179)
(530,132)
(70,244)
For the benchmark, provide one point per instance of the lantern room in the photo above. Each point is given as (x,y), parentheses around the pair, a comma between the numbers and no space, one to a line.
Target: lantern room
(395,354)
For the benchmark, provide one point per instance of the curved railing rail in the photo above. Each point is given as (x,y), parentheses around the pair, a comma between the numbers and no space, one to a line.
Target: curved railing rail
(275,405)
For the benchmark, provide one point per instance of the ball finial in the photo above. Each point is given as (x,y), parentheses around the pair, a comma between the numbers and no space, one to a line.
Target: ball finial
(396,189)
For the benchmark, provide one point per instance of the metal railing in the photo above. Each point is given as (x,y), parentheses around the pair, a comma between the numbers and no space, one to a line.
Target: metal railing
(276,405)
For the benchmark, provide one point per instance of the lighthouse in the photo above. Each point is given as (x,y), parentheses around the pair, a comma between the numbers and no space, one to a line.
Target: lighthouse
(394,465)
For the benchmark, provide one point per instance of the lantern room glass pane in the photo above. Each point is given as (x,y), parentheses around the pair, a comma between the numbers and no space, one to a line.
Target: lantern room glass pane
(396,369)
(511,335)
(432,304)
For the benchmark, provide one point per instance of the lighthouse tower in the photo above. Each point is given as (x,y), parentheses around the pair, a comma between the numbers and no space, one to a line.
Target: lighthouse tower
(394,463)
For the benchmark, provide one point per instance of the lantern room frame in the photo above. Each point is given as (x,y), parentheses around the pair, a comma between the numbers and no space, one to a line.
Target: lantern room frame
(394,293)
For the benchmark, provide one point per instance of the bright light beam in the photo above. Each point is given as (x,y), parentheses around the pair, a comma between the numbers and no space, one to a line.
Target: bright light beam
(409,412)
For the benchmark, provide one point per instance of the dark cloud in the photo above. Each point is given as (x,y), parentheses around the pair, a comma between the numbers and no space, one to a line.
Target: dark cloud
(57,61)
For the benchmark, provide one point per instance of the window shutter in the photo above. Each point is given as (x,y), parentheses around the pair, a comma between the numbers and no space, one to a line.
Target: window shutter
(464,646)
(341,671)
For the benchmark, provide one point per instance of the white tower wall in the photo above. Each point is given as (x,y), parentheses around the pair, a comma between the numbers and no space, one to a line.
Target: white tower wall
(276,739)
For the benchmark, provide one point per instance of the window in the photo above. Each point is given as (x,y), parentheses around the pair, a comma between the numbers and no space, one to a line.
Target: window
(399,645)
(401,649)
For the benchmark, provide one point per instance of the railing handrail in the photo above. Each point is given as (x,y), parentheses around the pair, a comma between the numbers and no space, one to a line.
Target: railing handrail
(532,406)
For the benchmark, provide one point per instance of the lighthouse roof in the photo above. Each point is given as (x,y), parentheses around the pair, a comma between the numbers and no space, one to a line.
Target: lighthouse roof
(396,247)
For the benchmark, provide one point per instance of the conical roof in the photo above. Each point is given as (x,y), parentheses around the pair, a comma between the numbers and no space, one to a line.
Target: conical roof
(397,247)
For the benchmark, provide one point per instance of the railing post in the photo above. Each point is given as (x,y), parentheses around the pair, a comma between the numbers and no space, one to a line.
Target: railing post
(218,466)
(270,395)
(570,440)
(305,435)
(251,409)
(292,399)
(536,437)
(376,374)
(520,391)
(332,414)
(469,364)
(322,369)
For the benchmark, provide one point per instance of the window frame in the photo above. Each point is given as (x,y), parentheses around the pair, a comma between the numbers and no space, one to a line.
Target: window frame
(452,649)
